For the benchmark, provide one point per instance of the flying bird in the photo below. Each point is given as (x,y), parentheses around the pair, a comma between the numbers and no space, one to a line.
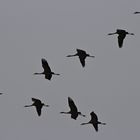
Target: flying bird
(136,12)
(1,93)
(38,104)
(82,56)
(121,35)
(73,109)
(47,70)
(94,121)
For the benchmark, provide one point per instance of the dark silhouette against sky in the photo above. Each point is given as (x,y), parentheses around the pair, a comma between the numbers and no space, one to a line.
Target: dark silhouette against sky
(73,109)
(121,36)
(82,56)
(38,105)
(47,70)
(109,83)
(94,121)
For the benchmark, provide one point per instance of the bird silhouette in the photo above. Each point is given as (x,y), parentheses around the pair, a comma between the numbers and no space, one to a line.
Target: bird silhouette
(47,71)
(73,109)
(82,56)
(1,93)
(121,35)
(38,104)
(136,12)
(94,121)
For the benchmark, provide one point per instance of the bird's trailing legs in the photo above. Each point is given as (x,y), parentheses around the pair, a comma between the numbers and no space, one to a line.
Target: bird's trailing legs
(81,114)
(55,73)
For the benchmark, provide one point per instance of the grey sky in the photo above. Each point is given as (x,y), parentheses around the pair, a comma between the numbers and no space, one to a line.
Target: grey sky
(51,29)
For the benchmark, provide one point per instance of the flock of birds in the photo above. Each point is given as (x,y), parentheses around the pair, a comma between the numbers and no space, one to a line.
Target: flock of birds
(82,56)
(73,109)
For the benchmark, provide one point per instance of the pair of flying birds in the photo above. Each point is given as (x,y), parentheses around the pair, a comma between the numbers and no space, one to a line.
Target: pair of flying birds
(73,111)
(47,70)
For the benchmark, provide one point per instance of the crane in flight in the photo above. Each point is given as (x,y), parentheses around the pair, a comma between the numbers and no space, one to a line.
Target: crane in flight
(47,70)
(82,56)
(73,109)
(121,36)
(38,105)
(94,121)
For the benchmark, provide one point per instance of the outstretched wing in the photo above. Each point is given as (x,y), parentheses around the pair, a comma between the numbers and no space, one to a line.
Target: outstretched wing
(80,51)
(94,119)
(120,40)
(72,105)
(35,100)
(38,109)
(82,56)
(95,126)
(82,60)
(45,65)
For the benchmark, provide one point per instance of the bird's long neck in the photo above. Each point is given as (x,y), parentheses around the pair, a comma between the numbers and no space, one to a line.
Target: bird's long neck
(72,55)
(36,73)
(28,105)
(112,33)
(85,123)
(65,112)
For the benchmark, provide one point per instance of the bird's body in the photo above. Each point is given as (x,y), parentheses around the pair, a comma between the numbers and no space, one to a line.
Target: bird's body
(82,56)
(47,70)
(73,109)
(38,104)
(121,35)
(94,121)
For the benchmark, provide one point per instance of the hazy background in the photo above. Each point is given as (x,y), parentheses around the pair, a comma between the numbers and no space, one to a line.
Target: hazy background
(109,84)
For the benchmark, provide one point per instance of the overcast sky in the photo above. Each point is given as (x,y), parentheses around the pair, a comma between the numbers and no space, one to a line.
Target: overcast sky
(52,29)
